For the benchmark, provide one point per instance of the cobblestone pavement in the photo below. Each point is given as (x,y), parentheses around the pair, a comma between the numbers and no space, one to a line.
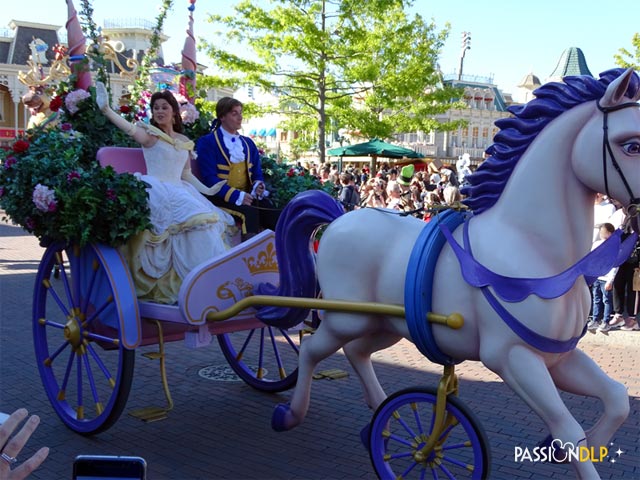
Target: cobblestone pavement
(221,430)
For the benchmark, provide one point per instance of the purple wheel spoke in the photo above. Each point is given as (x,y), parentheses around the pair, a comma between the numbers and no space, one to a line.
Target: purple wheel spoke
(446,471)
(245,344)
(456,446)
(401,455)
(67,373)
(99,362)
(60,349)
(276,352)
(261,354)
(400,440)
(416,416)
(49,323)
(92,382)
(65,279)
(55,296)
(446,431)
(405,426)
(87,295)
(108,302)
(406,473)
(101,338)
(289,341)
(80,405)
(454,461)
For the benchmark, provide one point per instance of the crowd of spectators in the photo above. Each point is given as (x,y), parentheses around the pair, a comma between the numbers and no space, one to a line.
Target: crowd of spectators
(399,188)
(614,297)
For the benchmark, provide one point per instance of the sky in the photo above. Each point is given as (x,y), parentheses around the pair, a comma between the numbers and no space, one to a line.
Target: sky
(509,38)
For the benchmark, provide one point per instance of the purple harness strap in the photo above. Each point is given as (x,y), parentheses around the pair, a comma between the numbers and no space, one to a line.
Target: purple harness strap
(599,261)
(611,253)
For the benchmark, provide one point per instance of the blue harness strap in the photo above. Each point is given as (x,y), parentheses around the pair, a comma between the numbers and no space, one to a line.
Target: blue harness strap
(418,290)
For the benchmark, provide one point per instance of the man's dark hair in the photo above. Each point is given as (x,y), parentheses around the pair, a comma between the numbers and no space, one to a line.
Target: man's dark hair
(225,105)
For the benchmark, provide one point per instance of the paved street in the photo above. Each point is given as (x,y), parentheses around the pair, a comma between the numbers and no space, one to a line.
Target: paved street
(221,430)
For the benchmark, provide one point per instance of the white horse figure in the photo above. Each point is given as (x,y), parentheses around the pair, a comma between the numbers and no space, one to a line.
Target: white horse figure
(533,219)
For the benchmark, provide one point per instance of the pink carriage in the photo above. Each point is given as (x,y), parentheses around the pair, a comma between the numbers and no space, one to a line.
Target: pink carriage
(87,322)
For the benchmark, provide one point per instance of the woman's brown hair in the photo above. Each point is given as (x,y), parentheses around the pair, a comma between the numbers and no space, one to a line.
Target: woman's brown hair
(177,119)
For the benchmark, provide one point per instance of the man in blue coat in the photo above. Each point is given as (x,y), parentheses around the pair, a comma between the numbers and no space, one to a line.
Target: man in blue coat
(223,154)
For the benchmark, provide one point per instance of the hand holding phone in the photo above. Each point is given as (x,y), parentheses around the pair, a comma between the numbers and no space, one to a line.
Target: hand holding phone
(13,439)
(109,467)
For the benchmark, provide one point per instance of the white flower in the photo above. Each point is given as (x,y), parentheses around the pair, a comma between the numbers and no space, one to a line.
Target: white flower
(44,198)
(73,98)
(189,113)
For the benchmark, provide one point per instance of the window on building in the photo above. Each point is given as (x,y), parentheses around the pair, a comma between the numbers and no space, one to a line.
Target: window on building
(283,136)
(474,137)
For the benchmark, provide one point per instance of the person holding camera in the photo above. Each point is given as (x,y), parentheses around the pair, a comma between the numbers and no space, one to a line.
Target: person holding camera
(224,154)
(11,445)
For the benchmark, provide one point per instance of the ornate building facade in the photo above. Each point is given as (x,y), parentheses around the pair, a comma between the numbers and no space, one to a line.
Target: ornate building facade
(130,39)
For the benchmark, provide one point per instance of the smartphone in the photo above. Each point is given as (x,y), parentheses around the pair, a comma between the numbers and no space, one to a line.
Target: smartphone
(109,467)
(3,417)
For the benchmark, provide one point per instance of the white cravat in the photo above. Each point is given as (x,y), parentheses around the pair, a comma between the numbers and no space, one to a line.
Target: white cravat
(234,145)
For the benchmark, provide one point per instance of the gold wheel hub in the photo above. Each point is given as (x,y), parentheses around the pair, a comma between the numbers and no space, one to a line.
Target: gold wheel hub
(73,332)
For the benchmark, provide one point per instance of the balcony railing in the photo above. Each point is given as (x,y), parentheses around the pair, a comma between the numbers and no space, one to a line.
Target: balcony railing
(141,23)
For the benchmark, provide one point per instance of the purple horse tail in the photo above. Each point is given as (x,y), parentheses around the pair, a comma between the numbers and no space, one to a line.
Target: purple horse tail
(299,220)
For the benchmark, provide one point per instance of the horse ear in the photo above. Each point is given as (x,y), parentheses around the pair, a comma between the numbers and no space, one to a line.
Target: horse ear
(616,90)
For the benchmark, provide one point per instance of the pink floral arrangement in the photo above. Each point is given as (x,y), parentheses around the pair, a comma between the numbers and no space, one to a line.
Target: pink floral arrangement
(189,113)
(73,98)
(44,198)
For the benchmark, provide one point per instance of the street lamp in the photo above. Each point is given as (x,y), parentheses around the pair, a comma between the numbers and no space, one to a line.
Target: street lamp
(466,45)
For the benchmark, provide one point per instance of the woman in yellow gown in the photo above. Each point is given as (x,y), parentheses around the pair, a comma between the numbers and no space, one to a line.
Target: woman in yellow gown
(186,228)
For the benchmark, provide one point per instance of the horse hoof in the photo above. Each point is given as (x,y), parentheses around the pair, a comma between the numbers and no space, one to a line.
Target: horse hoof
(278,420)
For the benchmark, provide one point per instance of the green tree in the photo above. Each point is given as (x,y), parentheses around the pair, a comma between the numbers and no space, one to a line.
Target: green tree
(356,64)
(626,59)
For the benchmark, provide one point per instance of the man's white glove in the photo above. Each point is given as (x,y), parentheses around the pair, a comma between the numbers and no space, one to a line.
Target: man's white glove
(102,97)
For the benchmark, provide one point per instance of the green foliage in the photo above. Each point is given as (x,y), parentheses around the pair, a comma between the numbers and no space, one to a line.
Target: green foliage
(80,201)
(284,181)
(350,64)
(627,59)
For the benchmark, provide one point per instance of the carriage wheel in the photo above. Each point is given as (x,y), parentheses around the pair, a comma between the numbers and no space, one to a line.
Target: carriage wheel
(265,358)
(84,367)
(401,426)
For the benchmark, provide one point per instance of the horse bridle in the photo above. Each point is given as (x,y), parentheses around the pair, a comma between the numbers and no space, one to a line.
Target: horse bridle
(633,209)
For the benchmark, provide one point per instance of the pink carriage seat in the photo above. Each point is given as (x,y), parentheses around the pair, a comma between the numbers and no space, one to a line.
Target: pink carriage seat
(129,160)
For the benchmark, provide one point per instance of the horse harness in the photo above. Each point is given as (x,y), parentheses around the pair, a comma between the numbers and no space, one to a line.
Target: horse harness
(633,210)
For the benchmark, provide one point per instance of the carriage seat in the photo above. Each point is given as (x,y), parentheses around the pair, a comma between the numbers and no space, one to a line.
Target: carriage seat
(131,160)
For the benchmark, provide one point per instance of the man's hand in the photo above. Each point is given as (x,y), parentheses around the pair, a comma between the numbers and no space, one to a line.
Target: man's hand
(248,199)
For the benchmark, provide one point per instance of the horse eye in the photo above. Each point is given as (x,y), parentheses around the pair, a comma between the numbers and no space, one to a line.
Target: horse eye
(631,148)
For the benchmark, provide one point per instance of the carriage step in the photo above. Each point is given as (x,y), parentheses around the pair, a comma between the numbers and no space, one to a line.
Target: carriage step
(150,414)
(330,374)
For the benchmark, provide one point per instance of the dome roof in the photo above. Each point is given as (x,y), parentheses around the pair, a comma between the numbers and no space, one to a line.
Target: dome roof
(530,81)
(572,62)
